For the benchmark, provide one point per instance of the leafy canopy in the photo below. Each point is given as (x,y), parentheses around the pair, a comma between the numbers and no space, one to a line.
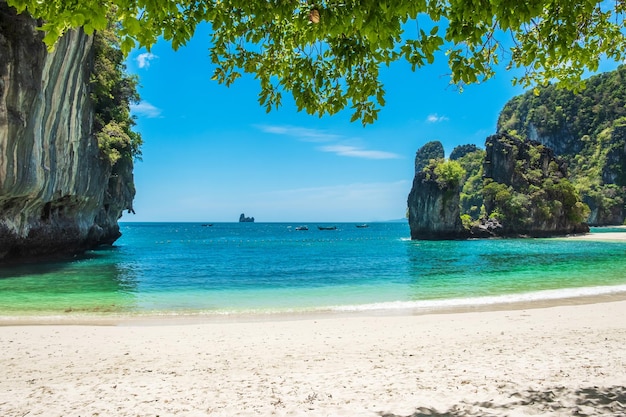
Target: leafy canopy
(328,54)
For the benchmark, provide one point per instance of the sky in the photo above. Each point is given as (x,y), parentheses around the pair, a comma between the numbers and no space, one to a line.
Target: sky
(211,152)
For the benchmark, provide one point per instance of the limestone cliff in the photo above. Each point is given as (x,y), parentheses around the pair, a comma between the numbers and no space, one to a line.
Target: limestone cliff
(585,129)
(431,150)
(515,187)
(433,203)
(526,189)
(57,192)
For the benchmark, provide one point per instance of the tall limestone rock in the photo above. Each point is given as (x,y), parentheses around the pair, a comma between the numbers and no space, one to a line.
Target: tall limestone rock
(527,190)
(57,193)
(586,129)
(434,209)
(521,186)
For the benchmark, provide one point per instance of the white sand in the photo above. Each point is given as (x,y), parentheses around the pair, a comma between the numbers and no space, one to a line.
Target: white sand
(606,236)
(615,236)
(553,361)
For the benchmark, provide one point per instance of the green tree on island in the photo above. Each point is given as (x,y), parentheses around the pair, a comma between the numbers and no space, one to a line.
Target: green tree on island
(328,54)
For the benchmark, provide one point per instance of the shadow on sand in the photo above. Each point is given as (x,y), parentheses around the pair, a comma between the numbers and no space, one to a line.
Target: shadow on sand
(592,401)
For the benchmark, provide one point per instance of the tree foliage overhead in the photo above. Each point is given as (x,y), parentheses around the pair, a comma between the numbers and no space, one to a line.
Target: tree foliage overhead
(328,54)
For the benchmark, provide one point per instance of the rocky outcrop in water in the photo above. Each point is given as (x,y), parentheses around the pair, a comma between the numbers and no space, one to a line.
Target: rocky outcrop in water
(515,188)
(58,195)
(244,219)
(433,203)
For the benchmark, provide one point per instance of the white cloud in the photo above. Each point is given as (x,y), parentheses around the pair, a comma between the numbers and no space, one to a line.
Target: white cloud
(146,109)
(354,152)
(143,60)
(300,133)
(319,136)
(435,118)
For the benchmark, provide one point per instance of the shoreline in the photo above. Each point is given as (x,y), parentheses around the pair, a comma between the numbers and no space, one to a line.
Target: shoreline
(552,361)
(186,317)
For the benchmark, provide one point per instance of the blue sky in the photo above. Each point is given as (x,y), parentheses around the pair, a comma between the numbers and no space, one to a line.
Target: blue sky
(211,152)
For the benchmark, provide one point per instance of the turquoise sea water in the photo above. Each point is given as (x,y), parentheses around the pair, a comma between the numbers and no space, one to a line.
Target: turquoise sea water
(190,268)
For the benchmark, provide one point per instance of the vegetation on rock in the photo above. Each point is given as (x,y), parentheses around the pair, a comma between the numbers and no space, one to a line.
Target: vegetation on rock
(112,92)
(514,187)
(430,151)
(445,173)
(536,194)
(588,131)
(471,192)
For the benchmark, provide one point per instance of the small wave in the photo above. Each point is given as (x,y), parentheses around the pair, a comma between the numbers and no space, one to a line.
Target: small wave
(545,295)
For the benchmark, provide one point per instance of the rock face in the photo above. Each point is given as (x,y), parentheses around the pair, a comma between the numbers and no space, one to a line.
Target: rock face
(434,212)
(584,128)
(431,150)
(523,189)
(434,209)
(57,194)
(527,185)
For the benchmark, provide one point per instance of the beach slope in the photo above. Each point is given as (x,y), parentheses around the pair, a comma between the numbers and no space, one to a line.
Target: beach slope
(564,360)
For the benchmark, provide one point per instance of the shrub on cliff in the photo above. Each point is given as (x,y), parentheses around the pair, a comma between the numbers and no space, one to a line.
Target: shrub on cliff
(112,92)
(447,173)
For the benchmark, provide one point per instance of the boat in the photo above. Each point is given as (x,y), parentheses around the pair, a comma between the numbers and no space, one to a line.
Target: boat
(302,228)
(207,224)
(327,227)
(362,226)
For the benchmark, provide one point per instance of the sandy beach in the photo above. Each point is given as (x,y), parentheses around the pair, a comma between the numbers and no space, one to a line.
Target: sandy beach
(608,237)
(560,360)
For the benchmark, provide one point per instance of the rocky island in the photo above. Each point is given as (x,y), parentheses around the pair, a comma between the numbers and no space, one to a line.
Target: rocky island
(244,219)
(556,165)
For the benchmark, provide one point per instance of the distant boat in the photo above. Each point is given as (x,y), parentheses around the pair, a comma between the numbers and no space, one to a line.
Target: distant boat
(327,227)
(362,226)
(302,228)
(207,224)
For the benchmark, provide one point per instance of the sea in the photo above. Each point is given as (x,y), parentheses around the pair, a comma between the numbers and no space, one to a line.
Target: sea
(174,269)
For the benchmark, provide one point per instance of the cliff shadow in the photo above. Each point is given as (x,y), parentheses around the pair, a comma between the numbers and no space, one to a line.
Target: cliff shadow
(39,266)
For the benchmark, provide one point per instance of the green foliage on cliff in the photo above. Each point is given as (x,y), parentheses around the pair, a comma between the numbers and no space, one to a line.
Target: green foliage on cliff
(112,92)
(327,54)
(536,204)
(537,191)
(536,194)
(447,173)
(567,114)
(430,151)
(462,150)
(588,130)
(471,192)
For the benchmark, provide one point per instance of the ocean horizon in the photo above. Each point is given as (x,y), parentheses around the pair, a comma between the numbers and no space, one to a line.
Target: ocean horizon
(262,268)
